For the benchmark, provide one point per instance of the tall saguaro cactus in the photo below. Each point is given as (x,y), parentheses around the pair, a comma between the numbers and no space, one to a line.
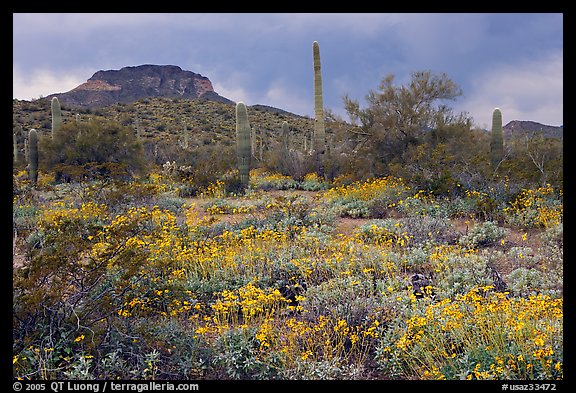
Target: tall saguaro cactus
(15,144)
(497,139)
(243,143)
(319,143)
(284,157)
(262,136)
(185,138)
(285,135)
(26,151)
(33,155)
(56,115)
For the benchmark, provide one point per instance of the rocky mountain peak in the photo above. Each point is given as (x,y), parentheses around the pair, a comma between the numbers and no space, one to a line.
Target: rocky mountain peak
(132,83)
(529,127)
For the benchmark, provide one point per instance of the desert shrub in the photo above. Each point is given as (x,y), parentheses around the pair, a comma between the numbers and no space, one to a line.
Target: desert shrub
(226,206)
(85,272)
(311,182)
(536,208)
(436,230)
(98,142)
(24,217)
(462,207)
(238,355)
(552,251)
(477,335)
(331,369)
(187,190)
(383,232)
(523,257)
(232,183)
(118,196)
(364,198)
(260,179)
(177,172)
(290,210)
(456,273)
(322,218)
(352,208)
(480,204)
(352,298)
(178,352)
(483,234)
(167,201)
(422,204)
(60,286)
(525,282)
(408,231)
(378,209)
(553,236)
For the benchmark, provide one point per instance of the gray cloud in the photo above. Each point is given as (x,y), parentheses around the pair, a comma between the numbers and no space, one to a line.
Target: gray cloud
(530,90)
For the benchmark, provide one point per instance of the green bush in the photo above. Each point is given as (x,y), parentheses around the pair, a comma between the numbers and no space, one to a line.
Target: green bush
(483,234)
(353,299)
(96,143)
(238,356)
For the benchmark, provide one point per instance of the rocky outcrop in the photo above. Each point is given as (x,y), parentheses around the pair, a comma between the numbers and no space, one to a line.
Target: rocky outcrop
(130,84)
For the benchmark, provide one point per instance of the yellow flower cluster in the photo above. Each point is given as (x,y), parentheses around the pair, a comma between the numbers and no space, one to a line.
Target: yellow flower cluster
(513,332)
(214,190)
(57,213)
(247,304)
(259,177)
(382,236)
(391,187)
(312,177)
(160,183)
(230,209)
(532,207)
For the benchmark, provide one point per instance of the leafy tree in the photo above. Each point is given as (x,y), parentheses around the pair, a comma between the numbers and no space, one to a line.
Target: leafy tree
(399,118)
(536,159)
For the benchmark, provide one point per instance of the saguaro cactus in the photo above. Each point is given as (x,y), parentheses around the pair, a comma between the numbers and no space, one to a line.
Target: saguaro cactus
(253,141)
(56,116)
(284,156)
(26,151)
(33,154)
(319,144)
(497,139)
(243,143)
(262,135)
(15,144)
(185,137)
(285,135)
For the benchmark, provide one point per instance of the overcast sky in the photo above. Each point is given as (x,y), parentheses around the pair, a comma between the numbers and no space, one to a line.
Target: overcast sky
(510,61)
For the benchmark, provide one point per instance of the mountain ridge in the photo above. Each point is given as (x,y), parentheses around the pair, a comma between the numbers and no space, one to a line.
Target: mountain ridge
(131,83)
(529,126)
